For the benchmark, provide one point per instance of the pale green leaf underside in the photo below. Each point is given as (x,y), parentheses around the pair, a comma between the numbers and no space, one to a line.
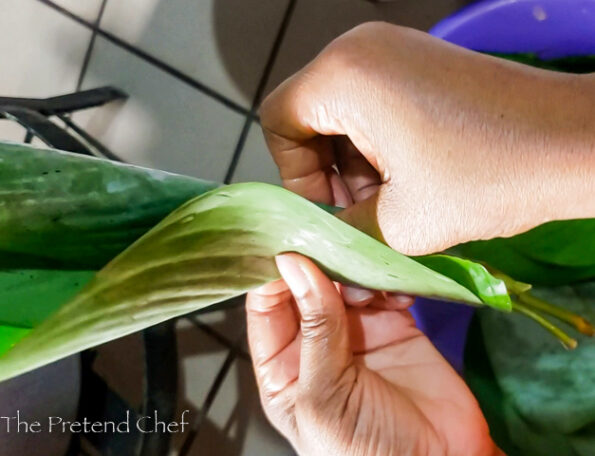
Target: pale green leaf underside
(214,247)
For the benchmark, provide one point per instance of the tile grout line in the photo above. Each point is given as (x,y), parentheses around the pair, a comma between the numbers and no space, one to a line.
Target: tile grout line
(232,355)
(163,66)
(235,158)
(89,50)
(252,115)
(273,55)
(67,118)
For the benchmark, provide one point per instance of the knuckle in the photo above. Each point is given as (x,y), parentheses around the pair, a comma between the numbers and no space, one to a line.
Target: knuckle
(372,28)
(366,34)
(355,47)
(266,112)
(347,50)
(308,403)
(317,326)
(340,55)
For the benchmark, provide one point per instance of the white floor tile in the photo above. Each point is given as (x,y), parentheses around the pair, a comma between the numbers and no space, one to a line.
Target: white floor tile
(222,43)
(42,50)
(11,131)
(316,23)
(255,163)
(165,123)
(87,9)
(236,424)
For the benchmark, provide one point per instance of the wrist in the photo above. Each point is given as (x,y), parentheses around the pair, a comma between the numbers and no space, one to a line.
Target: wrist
(555,166)
(567,173)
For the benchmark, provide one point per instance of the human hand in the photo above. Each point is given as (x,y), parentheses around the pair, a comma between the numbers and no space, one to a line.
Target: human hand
(437,145)
(338,380)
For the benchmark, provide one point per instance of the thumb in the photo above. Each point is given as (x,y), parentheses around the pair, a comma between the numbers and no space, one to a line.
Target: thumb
(325,349)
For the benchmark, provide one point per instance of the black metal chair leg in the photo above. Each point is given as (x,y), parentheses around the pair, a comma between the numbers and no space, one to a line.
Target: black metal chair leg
(67,103)
(40,126)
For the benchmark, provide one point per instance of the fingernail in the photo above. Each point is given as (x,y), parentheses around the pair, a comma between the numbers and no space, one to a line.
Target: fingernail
(400,298)
(356,294)
(293,275)
(341,195)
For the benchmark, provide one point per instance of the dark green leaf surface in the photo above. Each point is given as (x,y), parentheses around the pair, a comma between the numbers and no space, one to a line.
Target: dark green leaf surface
(568,243)
(64,210)
(502,255)
(547,402)
(67,211)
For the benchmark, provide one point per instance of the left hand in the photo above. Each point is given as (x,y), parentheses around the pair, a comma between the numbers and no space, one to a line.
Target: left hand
(338,380)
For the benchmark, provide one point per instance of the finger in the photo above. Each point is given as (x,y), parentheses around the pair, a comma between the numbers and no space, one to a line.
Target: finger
(361,179)
(271,321)
(325,349)
(341,196)
(371,329)
(298,138)
(393,301)
(317,101)
(280,372)
(356,296)
(305,169)
(353,296)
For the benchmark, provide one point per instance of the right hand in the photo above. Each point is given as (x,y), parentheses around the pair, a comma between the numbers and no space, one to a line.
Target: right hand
(355,381)
(435,144)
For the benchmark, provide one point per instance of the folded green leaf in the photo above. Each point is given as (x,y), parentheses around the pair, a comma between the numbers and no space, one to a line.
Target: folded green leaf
(214,247)
(473,276)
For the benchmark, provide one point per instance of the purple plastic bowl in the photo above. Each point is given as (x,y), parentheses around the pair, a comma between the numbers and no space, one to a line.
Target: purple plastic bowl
(548,28)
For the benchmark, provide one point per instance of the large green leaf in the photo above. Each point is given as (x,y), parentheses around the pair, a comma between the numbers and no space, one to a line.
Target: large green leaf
(569,243)
(67,210)
(502,254)
(214,247)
